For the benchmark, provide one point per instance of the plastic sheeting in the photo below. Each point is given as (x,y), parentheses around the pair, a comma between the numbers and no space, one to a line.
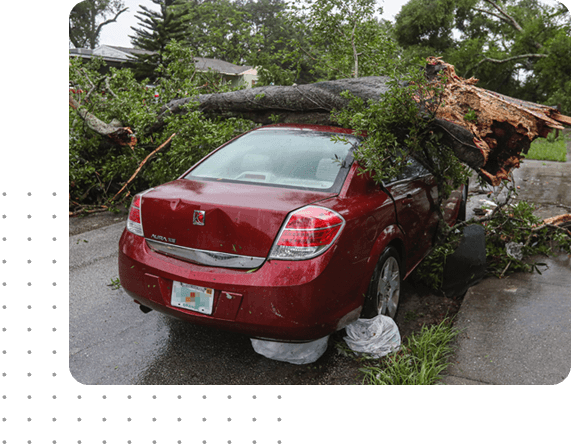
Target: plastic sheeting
(304,353)
(378,336)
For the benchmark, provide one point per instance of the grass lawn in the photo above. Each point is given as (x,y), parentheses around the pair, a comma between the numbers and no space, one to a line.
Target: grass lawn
(549,149)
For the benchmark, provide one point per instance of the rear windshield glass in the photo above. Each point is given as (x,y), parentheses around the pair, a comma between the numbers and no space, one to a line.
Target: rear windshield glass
(305,159)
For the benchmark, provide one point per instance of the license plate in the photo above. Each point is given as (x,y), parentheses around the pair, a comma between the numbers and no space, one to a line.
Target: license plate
(191,297)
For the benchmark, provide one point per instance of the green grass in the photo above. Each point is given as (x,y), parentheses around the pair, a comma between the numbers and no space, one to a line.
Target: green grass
(548,149)
(420,360)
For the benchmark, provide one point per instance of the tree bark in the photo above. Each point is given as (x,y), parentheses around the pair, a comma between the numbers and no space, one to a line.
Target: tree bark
(504,127)
(311,103)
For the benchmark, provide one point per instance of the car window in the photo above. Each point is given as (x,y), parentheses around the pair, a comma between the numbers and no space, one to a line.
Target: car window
(297,158)
(413,169)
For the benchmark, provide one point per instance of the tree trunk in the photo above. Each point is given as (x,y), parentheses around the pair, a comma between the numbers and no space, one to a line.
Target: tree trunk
(311,103)
(502,130)
(493,143)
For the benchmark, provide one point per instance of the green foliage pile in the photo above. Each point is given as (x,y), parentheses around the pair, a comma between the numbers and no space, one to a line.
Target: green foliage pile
(97,168)
(517,225)
(510,226)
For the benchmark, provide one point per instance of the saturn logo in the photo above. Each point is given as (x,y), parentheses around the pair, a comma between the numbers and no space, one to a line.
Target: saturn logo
(198,218)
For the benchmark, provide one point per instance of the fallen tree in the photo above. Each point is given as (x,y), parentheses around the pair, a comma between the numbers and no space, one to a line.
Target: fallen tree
(487,131)
(493,142)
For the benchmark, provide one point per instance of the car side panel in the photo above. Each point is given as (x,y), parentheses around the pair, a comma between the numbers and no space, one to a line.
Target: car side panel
(371,226)
(415,202)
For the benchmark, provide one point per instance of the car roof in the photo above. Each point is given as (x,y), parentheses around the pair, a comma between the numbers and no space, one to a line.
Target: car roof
(315,127)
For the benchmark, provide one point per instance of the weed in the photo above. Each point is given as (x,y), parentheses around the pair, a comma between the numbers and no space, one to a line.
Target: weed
(471,116)
(420,361)
(115,283)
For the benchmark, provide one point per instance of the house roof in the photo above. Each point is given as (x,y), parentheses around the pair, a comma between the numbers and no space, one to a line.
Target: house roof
(123,54)
(204,64)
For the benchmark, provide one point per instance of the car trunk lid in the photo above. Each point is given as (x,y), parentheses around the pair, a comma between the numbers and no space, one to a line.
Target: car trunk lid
(240,220)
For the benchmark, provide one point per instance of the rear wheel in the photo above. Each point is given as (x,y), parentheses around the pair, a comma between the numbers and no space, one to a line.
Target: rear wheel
(384,290)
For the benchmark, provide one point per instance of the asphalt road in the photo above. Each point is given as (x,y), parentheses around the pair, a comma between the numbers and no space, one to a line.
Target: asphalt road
(112,342)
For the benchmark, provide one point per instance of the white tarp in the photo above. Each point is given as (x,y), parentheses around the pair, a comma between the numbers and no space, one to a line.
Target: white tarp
(304,353)
(378,336)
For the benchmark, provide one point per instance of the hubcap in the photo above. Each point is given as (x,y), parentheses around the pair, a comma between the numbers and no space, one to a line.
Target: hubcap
(388,291)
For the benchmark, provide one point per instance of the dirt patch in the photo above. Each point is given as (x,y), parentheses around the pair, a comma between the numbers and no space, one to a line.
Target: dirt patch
(419,307)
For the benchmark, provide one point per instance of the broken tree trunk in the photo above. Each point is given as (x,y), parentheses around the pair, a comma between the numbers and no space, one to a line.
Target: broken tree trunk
(503,128)
(118,134)
(492,145)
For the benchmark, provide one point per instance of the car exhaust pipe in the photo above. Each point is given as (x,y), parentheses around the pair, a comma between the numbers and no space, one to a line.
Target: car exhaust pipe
(145,309)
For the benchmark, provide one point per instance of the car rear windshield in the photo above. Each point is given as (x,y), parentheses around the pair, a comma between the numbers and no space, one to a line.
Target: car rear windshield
(296,158)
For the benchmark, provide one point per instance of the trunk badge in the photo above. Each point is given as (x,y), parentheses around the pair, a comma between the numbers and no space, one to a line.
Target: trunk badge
(198,218)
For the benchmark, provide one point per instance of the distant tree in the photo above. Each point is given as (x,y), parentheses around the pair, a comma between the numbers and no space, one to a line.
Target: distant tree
(276,49)
(323,40)
(87,19)
(426,23)
(219,29)
(345,38)
(157,29)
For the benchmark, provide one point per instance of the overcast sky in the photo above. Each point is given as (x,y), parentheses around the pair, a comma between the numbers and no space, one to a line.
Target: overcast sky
(118,33)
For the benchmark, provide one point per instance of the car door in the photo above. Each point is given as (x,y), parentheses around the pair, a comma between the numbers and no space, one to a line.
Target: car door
(415,195)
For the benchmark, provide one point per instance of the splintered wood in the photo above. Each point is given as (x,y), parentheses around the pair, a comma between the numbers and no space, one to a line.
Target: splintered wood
(503,127)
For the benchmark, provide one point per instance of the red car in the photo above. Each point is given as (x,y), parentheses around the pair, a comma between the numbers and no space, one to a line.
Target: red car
(277,235)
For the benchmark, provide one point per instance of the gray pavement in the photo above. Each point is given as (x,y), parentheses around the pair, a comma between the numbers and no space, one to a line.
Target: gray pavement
(517,330)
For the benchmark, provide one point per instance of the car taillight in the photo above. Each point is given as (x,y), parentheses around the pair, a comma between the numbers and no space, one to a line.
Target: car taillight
(307,233)
(134,223)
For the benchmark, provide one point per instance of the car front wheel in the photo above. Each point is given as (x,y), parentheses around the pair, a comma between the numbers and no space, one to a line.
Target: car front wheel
(385,287)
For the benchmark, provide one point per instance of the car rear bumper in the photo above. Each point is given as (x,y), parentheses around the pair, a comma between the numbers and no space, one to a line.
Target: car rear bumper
(281,300)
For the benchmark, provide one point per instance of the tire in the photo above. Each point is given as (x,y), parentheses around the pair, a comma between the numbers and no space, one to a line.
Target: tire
(384,290)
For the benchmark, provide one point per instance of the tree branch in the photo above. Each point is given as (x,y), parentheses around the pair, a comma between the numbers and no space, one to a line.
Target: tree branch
(355,55)
(106,22)
(142,164)
(123,136)
(509,59)
(506,17)
(485,11)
